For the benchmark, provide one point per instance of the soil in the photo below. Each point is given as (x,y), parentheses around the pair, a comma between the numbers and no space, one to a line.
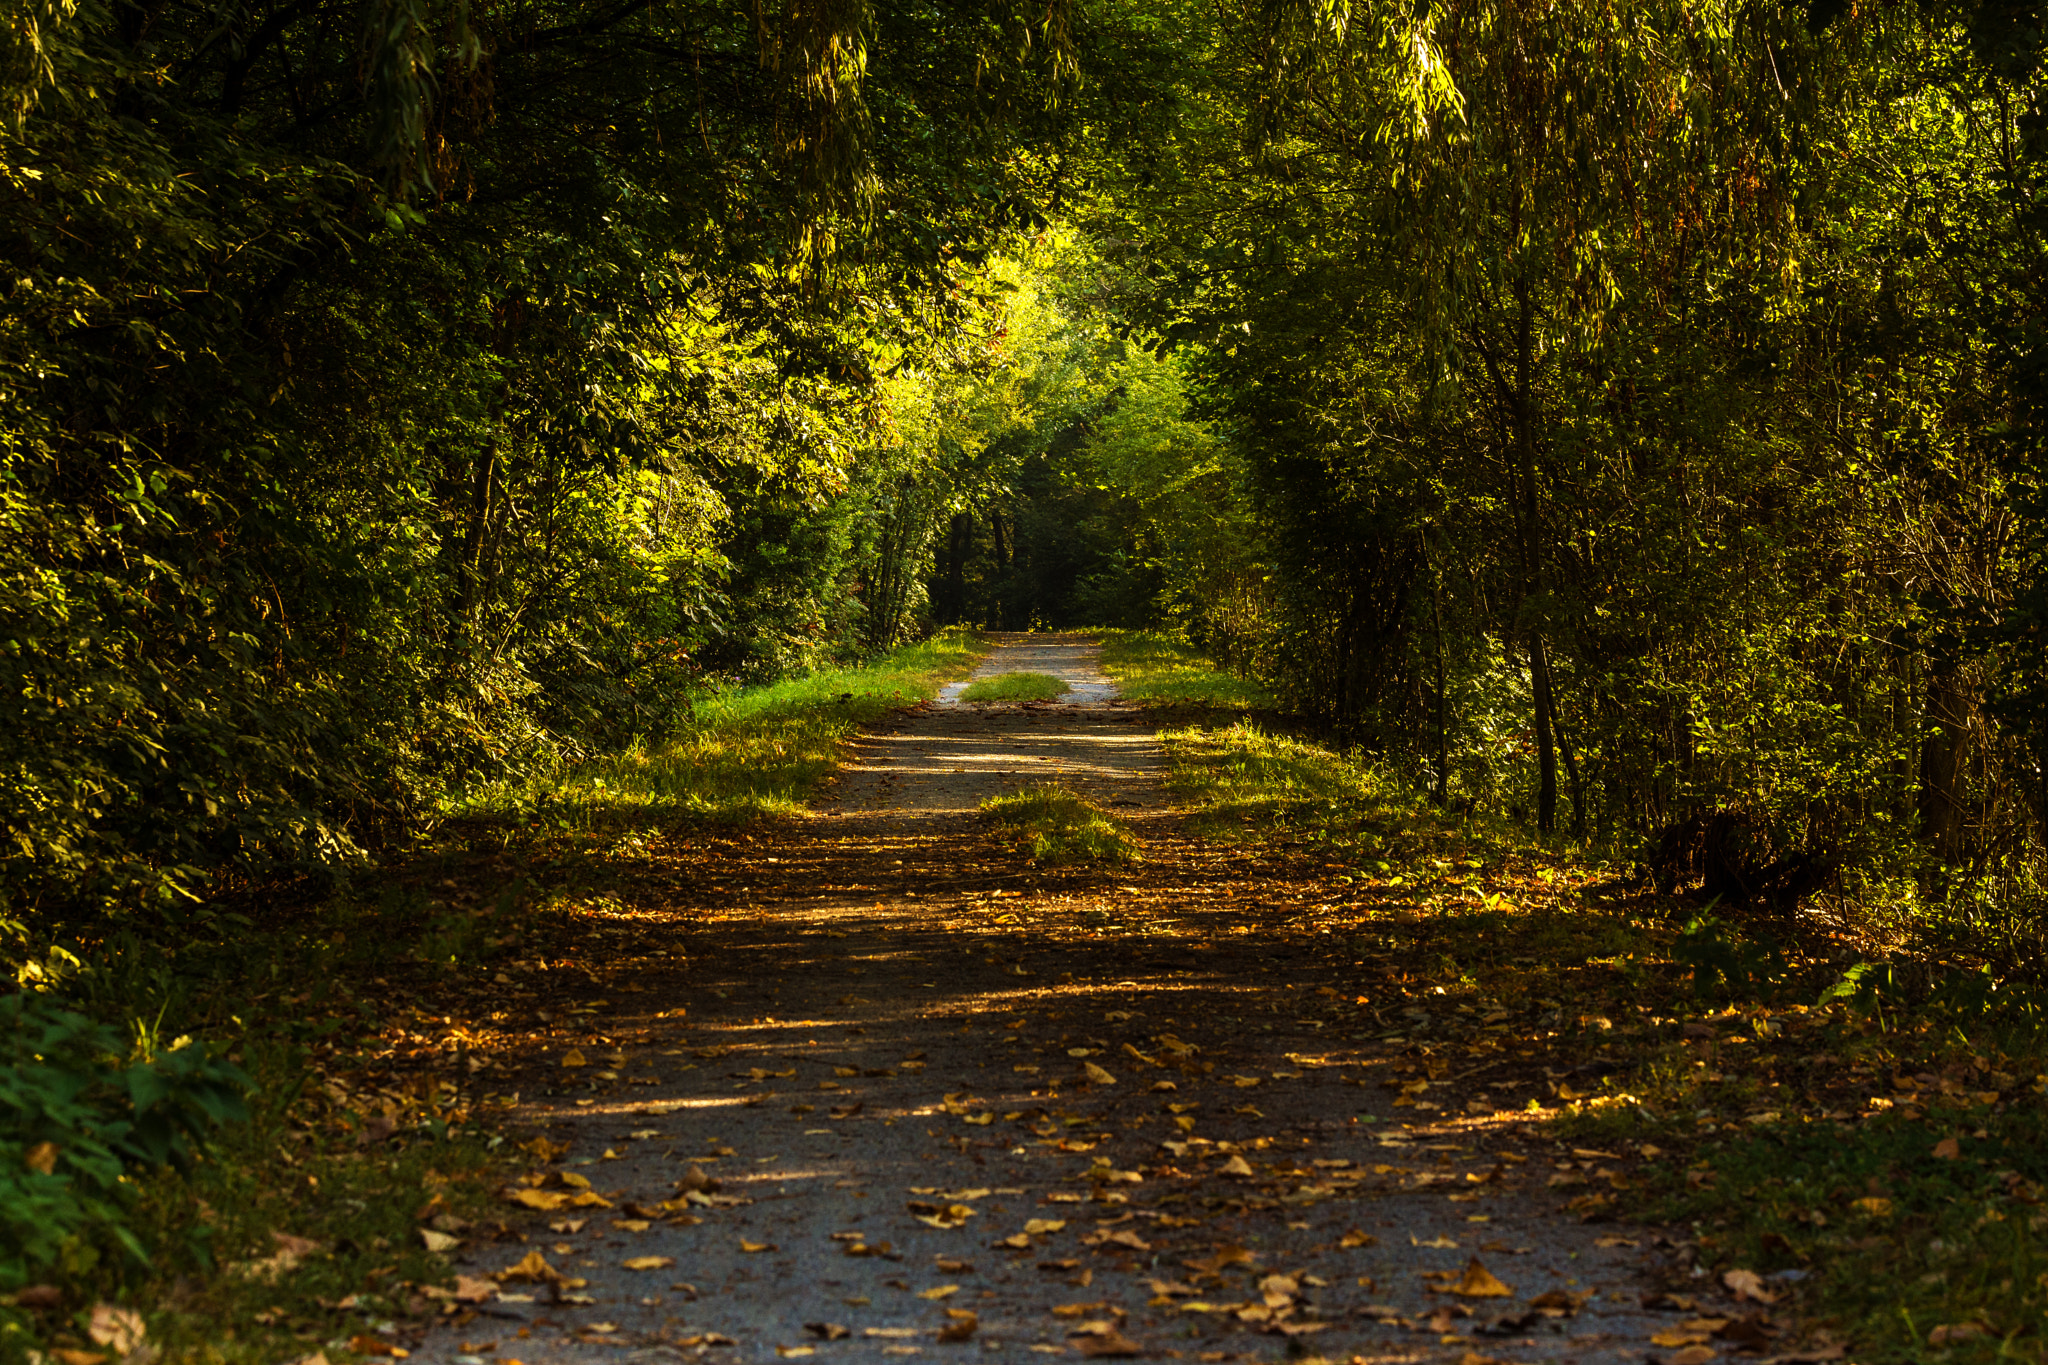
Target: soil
(1105,1111)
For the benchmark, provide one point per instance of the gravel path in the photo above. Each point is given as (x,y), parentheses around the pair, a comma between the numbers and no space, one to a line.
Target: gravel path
(910,1096)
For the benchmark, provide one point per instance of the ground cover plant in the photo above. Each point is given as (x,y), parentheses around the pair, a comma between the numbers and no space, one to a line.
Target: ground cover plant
(1013,687)
(1059,826)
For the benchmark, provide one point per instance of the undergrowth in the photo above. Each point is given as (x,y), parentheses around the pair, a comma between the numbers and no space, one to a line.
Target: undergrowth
(1057,826)
(744,753)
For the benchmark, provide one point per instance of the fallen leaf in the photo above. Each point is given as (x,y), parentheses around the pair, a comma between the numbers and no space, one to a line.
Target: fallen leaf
(962,1325)
(1747,1284)
(1677,1337)
(1691,1355)
(547,1201)
(1948,1149)
(574,1057)
(889,1332)
(747,1246)
(1479,1283)
(795,1352)
(1355,1238)
(438,1241)
(1097,1074)
(653,1262)
(828,1331)
(41,1158)
(1110,1343)
(943,1291)
(119,1329)
(1237,1165)
(1872,1206)
(1041,1225)
(532,1268)
(1951,1332)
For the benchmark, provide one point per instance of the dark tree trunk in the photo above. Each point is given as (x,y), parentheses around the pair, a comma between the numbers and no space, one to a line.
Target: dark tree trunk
(1942,755)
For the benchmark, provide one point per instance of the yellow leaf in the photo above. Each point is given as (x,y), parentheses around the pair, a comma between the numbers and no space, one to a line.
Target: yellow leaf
(1097,1074)
(41,1158)
(1039,1225)
(1355,1238)
(1237,1165)
(745,1245)
(1675,1337)
(961,1327)
(1244,1082)
(937,1292)
(119,1329)
(575,1181)
(979,1120)
(1479,1283)
(1872,1206)
(1948,1149)
(532,1267)
(574,1057)
(547,1201)
(649,1262)
(794,1352)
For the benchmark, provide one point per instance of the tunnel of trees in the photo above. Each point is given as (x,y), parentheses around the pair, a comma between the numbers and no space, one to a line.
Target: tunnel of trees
(1624,419)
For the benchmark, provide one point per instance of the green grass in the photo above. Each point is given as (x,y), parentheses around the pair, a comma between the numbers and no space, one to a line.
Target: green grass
(746,753)
(1015,687)
(1058,826)
(1244,775)
(1149,667)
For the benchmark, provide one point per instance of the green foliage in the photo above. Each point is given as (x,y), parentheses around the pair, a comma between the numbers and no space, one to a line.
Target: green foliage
(1058,826)
(80,1120)
(1015,687)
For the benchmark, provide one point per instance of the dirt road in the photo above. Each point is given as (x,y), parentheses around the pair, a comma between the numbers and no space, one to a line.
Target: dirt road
(877,1087)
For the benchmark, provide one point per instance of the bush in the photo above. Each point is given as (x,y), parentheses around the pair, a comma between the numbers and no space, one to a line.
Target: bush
(77,1114)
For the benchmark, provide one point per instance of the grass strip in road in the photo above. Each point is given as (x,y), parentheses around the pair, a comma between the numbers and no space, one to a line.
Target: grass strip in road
(1157,669)
(1058,826)
(1015,687)
(745,753)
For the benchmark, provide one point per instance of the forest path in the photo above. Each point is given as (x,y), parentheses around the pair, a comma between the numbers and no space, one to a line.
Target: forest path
(954,1105)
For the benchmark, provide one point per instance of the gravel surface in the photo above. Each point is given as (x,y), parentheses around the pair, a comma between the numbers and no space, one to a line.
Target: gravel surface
(906,1077)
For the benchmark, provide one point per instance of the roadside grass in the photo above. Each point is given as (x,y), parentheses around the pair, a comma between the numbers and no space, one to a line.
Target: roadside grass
(1058,826)
(746,753)
(1150,667)
(1015,687)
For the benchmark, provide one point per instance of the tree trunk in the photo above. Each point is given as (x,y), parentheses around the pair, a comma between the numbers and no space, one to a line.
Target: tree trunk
(959,544)
(1524,416)
(1942,755)
(1442,792)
